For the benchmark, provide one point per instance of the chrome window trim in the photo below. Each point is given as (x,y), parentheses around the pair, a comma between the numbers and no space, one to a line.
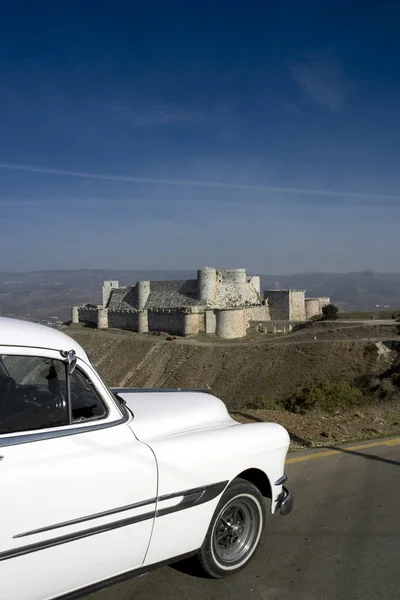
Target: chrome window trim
(57,350)
(38,436)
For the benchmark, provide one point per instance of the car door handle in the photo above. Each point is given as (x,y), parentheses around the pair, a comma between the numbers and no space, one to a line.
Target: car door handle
(1,457)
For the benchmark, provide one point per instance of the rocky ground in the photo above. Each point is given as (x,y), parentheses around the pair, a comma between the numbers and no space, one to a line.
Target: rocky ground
(322,429)
(254,375)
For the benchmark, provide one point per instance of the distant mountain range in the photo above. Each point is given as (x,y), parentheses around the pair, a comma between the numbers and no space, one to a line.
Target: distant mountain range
(48,295)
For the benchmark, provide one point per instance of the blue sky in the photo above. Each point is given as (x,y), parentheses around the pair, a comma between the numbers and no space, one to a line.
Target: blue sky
(174,135)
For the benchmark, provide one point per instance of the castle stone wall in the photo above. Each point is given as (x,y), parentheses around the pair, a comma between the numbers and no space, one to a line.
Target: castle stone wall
(257,313)
(255,282)
(297,305)
(88,315)
(194,321)
(171,321)
(121,319)
(278,302)
(210,321)
(323,301)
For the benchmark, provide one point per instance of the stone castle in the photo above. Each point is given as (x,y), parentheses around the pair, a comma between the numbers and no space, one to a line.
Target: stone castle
(225,302)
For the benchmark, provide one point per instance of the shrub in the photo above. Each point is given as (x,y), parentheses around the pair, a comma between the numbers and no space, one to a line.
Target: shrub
(330,312)
(328,396)
(259,403)
(370,350)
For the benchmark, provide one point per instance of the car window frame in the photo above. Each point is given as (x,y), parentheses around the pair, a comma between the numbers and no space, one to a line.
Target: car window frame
(116,415)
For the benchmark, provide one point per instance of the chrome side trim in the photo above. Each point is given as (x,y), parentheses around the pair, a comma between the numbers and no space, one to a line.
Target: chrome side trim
(71,537)
(27,438)
(192,497)
(281,480)
(99,515)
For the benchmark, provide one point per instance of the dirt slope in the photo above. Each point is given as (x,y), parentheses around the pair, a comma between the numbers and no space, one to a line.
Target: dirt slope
(238,373)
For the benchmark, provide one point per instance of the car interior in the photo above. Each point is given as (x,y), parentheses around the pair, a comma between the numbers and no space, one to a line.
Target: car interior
(33,395)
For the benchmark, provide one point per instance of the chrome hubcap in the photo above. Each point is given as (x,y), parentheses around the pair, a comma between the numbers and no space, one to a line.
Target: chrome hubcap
(236,530)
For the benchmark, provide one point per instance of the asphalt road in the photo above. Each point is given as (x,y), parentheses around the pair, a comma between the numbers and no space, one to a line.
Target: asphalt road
(342,540)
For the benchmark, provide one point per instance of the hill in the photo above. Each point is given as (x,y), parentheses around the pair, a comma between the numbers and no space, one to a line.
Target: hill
(239,372)
(254,377)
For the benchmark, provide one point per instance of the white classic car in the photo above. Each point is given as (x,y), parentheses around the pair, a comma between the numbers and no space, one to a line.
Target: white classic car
(98,484)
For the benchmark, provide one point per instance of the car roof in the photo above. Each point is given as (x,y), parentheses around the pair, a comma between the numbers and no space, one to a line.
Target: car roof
(16,332)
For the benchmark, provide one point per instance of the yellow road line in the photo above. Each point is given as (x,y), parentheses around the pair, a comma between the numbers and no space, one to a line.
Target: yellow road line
(296,459)
(393,442)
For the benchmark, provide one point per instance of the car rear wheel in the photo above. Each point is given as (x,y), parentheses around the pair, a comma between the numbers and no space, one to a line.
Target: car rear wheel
(235,530)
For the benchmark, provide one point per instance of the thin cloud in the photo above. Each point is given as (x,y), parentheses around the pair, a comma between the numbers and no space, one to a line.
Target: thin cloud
(292,108)
(323,83)
(145,114)
(196,183)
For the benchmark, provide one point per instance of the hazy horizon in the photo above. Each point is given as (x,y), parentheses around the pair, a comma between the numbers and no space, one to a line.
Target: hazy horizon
(363,272)
(177,135)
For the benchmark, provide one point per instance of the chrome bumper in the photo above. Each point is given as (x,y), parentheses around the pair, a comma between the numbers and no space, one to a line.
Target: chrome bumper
(284,501)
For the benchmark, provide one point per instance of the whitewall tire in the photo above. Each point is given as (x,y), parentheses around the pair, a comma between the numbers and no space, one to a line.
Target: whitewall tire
(235,530)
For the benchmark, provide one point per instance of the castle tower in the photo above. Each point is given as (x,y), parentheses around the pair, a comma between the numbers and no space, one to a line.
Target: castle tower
(102,318)
(143,292)
(207,284)
(75,314)
(107,287)
(143,321)
(231,323)
(312,307)
(236,278)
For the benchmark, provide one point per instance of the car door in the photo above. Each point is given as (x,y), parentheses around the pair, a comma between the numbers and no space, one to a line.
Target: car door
(77,501)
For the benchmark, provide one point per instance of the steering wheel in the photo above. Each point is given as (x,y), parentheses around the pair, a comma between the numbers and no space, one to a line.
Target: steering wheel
(59,407)
(49,414)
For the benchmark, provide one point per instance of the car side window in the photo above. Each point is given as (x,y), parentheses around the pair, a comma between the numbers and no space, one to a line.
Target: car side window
(85,401)
(34,395)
